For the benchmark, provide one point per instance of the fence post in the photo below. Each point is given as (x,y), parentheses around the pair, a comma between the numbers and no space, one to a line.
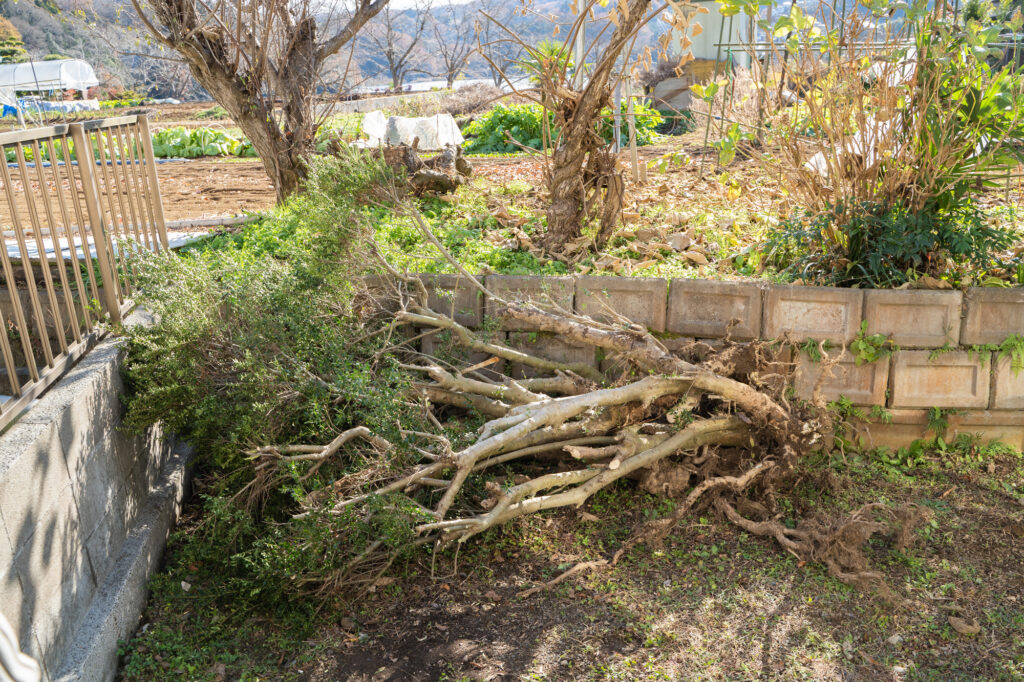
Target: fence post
(154,199)
(86,163)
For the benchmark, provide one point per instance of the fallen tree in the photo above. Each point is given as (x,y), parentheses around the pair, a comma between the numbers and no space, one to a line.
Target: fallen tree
(710,426)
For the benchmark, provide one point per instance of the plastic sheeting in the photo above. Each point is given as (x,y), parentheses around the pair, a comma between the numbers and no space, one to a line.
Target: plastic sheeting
(59,74)
(65,106)
(434,132)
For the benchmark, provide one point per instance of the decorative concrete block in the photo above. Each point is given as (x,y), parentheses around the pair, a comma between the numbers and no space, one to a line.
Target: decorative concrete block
(1006,426)
(706,308)
(991,315)
(914,318)
(454,295)
(641,300)
(893,435)
(106,539)
(549,347)
(863,384)
(955,379)
(819,313)
(1009,387)
(542,291)
(98,482)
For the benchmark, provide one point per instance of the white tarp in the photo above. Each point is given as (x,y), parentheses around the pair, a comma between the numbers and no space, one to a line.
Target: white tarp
(59,74)
(7,97)
(434,132)
(65,106)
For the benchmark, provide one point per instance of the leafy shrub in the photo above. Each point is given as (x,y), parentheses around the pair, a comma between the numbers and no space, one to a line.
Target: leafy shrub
(884,153)
(883,246)
(523,123)
(490,131)
(257,342)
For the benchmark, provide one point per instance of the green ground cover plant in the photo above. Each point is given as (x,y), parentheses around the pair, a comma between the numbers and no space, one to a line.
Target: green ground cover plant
(258,341)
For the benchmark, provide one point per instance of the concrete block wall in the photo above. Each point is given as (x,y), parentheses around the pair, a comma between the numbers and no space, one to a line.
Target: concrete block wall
(76,491)
(938,364)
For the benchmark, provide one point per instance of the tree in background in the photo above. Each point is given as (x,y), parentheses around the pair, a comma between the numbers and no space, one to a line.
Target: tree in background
(248,57)
(396,35)
(501,52)
(453,39)
(12,49)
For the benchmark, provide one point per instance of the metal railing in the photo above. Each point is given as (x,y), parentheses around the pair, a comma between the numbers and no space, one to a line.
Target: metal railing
(79,199)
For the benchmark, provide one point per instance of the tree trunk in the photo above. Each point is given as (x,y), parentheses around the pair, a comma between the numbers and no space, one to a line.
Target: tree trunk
(280,154)
(565,213)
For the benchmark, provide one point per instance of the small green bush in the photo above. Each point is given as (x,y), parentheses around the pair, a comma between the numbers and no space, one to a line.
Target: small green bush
(258,342)
(523,123)
(883,246)
(490,131)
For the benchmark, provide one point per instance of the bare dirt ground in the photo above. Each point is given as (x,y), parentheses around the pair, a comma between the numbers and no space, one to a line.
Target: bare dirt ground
(711,603)
(209,188)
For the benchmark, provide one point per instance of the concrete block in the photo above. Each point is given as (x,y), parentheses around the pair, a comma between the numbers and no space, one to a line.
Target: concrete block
(453,295)
(1006,426)
(115,609)
(541,291)
(641,300)
(1009,387)
(33,477)
(706,308)
(991,315)
(819,313)
(863,384)
(914,318)
(877,434)
(98,482)
(953,380)
(549,347)
(104,543)
(84,403)
(58,583)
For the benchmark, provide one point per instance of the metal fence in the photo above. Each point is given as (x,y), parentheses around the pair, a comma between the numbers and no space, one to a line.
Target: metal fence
(79,199)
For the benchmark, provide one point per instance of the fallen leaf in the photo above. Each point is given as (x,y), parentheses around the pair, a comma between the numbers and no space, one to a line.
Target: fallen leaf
(630,217)
(587,516)
(679,241)
(492,595)
(963,626)
(696,257)
(928,282)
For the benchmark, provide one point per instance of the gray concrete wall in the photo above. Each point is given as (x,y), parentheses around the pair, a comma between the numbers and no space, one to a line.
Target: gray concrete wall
(84,512)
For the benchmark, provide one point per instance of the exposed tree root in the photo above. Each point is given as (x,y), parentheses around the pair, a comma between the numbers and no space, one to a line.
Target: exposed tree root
(710,423)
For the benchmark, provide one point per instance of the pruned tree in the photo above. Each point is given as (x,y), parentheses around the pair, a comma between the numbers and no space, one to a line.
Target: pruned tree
(397,35)
(582,179)
(710,427)
(250,56)
(452,28)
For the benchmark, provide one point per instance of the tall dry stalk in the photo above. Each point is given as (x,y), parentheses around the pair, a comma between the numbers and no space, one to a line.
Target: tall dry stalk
(890,113)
